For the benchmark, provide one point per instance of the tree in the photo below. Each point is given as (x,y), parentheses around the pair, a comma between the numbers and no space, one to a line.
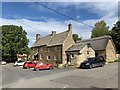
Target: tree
(76,37)
(14,41)
(100,29)
(115,33)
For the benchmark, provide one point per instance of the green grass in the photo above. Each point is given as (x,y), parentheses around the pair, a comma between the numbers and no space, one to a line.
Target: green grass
(117,60)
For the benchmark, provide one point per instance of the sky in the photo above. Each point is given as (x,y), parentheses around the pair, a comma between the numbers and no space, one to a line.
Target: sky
(41,19)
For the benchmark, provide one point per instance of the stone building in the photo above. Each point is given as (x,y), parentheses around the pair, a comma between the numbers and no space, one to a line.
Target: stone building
(51,48)
(103,46)
(79,52)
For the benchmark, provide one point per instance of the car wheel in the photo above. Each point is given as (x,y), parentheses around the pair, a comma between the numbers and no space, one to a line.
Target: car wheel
(34,69)
(51,67)
(37,69)
(90,66)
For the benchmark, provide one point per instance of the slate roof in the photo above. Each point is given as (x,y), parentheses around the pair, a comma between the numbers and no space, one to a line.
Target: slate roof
(50,40)
(77,47)
(58,39)
(98,43)
(42,41)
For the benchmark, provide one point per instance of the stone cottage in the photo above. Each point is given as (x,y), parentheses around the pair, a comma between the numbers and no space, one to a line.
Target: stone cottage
(103,46)
(51,48)
(79,52)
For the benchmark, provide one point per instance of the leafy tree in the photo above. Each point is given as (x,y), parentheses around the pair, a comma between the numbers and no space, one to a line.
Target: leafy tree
(115,33)
(100,29)
(14,41)
(76,37)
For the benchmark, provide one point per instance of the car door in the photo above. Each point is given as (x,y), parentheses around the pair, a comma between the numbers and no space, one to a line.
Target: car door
(33,64)
(101,61)
(96,62)
(93,63)
(45,66)
(41,65)
(30,64)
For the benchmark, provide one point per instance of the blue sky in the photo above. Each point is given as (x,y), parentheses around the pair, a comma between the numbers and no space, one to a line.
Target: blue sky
(33,11)
(35,18)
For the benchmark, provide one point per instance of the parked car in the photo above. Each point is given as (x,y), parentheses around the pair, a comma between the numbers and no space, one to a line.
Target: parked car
(43,65)
(18,63)
(29,64)
(93,62)
(3,63)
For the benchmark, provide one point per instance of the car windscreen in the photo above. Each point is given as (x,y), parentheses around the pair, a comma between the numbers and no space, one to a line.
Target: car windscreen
(19,61)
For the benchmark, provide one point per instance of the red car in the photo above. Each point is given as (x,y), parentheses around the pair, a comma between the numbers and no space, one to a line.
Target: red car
(43,65)
(29,64)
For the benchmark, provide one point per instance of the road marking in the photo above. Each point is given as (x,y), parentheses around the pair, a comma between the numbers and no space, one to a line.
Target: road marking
(65,86)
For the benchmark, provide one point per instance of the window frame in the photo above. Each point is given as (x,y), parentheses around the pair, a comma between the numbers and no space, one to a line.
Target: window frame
(41,56)
(72,55)
(48,57)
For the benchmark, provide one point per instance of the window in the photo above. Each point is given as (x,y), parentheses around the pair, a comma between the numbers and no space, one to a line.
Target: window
(88,52)
(72,55)
(41,56)
(19,61)
(48,57)
(29,62)
(55,58)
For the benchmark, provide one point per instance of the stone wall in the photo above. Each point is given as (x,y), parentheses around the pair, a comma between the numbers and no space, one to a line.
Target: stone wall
(55,53)
(118,56)
(82,55)
(110,52)
(67,44)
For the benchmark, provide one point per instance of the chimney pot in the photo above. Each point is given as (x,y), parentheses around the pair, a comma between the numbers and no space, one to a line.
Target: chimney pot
(37,36)
(53,32)
(70,26)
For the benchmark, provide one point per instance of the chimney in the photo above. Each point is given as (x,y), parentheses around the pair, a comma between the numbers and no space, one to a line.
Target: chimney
(70,27)
(37,36)
(53,32)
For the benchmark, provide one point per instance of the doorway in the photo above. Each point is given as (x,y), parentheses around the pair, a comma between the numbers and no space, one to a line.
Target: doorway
(68,58)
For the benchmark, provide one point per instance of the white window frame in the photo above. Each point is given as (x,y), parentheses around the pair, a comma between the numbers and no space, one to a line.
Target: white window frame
(55,58)
(72,55)
(88,52)
(48,58)
(41,57)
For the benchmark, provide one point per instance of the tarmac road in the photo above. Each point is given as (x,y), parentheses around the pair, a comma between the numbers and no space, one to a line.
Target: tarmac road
(12,74)
(102,77)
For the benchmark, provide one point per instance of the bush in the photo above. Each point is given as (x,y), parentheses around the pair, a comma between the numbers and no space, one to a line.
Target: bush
(118,60)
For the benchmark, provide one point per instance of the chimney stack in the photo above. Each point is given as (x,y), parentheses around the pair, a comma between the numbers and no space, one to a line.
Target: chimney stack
(53,32)
(70,27)
(37,36)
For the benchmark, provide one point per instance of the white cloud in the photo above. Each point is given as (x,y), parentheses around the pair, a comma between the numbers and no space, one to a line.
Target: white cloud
(45,28)
(100,8)
(107,12)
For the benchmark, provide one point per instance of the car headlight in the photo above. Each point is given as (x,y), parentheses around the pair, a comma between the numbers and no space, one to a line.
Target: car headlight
(87,64)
